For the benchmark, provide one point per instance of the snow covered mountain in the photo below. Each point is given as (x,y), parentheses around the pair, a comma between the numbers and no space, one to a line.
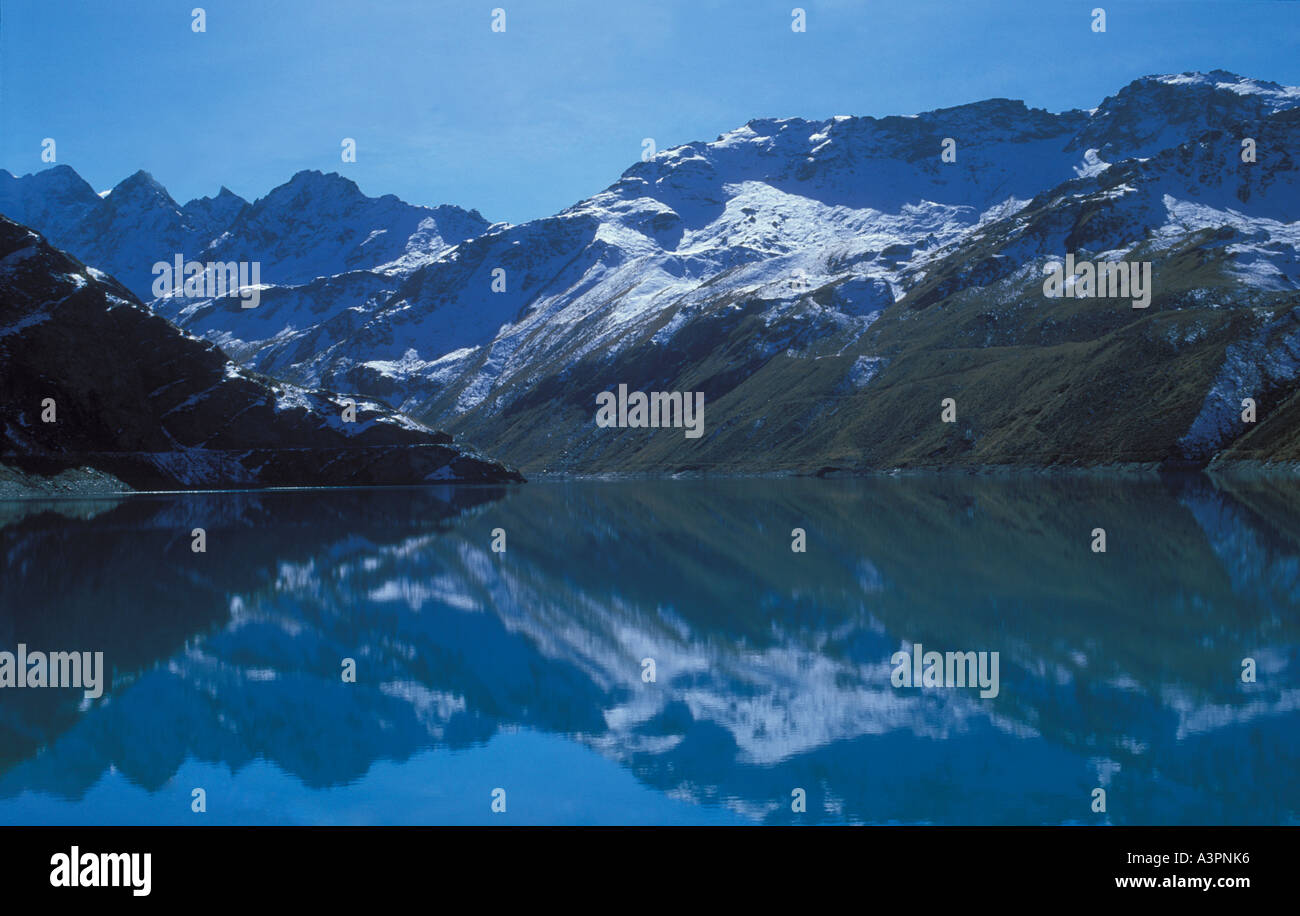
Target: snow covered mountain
(313,225)
(89,377)
(826,284)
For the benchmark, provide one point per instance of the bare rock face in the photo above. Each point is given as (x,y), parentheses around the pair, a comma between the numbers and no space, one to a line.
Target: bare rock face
(90,377)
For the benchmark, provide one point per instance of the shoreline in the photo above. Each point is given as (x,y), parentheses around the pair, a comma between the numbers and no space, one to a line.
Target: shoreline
(87,482)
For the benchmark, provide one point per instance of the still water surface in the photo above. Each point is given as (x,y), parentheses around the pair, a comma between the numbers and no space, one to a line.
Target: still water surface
(524,670)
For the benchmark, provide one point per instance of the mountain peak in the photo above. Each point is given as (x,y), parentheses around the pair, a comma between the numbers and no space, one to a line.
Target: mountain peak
(62,172)
(140,185)
(56,198)
(224,197)
(310,186)
(315,179)
(1275,95)
(56,176)
(213,215)
(1197,78)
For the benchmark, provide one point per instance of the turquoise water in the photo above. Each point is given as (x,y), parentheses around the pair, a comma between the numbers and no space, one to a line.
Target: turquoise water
(523,670)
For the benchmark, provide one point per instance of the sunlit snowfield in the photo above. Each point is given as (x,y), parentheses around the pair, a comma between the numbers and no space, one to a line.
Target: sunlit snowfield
(523,670)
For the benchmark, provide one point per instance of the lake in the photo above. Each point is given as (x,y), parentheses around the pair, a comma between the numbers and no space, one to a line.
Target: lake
(654,652)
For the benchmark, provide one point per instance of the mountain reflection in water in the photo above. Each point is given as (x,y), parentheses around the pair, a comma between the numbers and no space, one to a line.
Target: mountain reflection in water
(523,670)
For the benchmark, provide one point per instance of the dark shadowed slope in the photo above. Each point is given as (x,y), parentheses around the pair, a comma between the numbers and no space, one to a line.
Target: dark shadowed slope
(133,395)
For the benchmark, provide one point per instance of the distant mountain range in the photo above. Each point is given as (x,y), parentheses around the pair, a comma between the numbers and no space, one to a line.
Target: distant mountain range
(313,225)
(826,284)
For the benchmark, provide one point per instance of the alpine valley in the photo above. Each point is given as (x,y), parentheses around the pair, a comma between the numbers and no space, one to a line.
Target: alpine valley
(825,284)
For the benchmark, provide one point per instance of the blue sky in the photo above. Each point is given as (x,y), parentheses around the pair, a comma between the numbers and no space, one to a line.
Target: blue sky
(524,123)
